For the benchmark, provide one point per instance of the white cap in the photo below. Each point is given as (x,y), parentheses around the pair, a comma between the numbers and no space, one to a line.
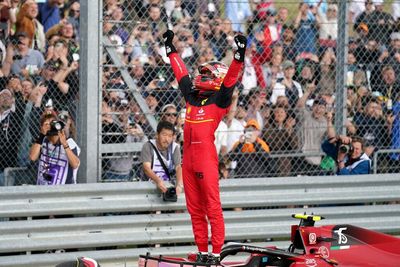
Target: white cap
(395,36)
(377,2)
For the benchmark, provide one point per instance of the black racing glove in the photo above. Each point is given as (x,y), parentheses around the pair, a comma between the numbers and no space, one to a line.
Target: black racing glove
(168,37)
(241,43)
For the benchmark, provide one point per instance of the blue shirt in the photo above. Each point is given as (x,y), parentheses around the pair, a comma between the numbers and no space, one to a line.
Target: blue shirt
(306,37)
(48,15)
(396,131)
(237,12)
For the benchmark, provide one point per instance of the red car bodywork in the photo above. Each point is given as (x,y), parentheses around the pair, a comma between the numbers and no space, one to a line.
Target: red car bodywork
(323,246)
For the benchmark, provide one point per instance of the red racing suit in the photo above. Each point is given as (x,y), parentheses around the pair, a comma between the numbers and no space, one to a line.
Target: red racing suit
(200,159)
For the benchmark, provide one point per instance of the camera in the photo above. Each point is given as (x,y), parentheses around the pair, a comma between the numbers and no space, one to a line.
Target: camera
(161,83)
(17,57)
(55,127)
(63,116)
(343,148)
(47,176)
(170,195)
(248,134)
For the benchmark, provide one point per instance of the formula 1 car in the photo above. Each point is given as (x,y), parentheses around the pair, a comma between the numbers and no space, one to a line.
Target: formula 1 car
(311,246)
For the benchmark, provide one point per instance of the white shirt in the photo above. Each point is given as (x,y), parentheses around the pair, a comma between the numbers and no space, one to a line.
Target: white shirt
(249,78)
(235,130)
(356,8)
(221,136)
(396,9)
(279,90)
(328,27)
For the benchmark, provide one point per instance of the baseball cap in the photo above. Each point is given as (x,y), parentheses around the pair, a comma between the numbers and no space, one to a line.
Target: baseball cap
(287,64)
(377,2)
(167,106)
(395,36)
(6,91)
(253,123)
(363,27)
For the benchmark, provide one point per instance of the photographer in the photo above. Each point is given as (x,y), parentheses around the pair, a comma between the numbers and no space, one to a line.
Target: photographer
(251,152)
(348,152)
(58,156)
(161,159)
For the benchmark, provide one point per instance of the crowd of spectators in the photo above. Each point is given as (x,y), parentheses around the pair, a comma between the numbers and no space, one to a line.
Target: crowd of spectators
(286,91)
(289,83)
(39,52)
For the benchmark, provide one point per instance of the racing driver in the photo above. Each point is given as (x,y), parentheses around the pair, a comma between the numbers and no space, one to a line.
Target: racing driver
(206,104)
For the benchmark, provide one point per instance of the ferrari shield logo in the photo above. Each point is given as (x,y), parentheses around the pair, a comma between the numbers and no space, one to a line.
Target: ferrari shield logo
(312,238)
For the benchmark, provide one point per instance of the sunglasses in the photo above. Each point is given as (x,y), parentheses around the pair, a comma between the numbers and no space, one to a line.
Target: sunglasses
(171,114)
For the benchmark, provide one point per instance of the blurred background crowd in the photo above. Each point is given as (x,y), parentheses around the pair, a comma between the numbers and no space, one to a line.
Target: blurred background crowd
(282,105)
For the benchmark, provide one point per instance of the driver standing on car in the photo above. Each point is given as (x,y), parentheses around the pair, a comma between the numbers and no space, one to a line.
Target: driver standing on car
(206,105)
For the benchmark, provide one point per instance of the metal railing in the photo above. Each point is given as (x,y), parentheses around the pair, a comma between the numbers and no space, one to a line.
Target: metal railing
(122,218)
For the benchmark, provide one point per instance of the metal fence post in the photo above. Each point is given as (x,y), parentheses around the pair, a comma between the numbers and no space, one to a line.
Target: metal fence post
(89,91)
(341,68)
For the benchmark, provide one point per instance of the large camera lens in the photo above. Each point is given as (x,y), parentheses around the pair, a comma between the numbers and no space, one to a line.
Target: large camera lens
(171,191)
(344,148)
(170,195)
(57,125)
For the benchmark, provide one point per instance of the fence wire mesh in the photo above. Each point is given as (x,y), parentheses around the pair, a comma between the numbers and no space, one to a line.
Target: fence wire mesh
(288,85)
(39,74)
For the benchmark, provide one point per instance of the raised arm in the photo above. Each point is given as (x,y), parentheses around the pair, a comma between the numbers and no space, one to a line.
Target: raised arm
(231,78)
(178,67)
(237,63)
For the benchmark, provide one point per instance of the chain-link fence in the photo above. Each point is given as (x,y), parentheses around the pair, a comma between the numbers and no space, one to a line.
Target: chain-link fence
(288,85)
(287,91)
(39,44)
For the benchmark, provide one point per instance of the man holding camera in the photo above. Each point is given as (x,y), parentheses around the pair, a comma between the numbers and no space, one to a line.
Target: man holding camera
(250,152)
(58,155)
(161,159)
(348,152)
